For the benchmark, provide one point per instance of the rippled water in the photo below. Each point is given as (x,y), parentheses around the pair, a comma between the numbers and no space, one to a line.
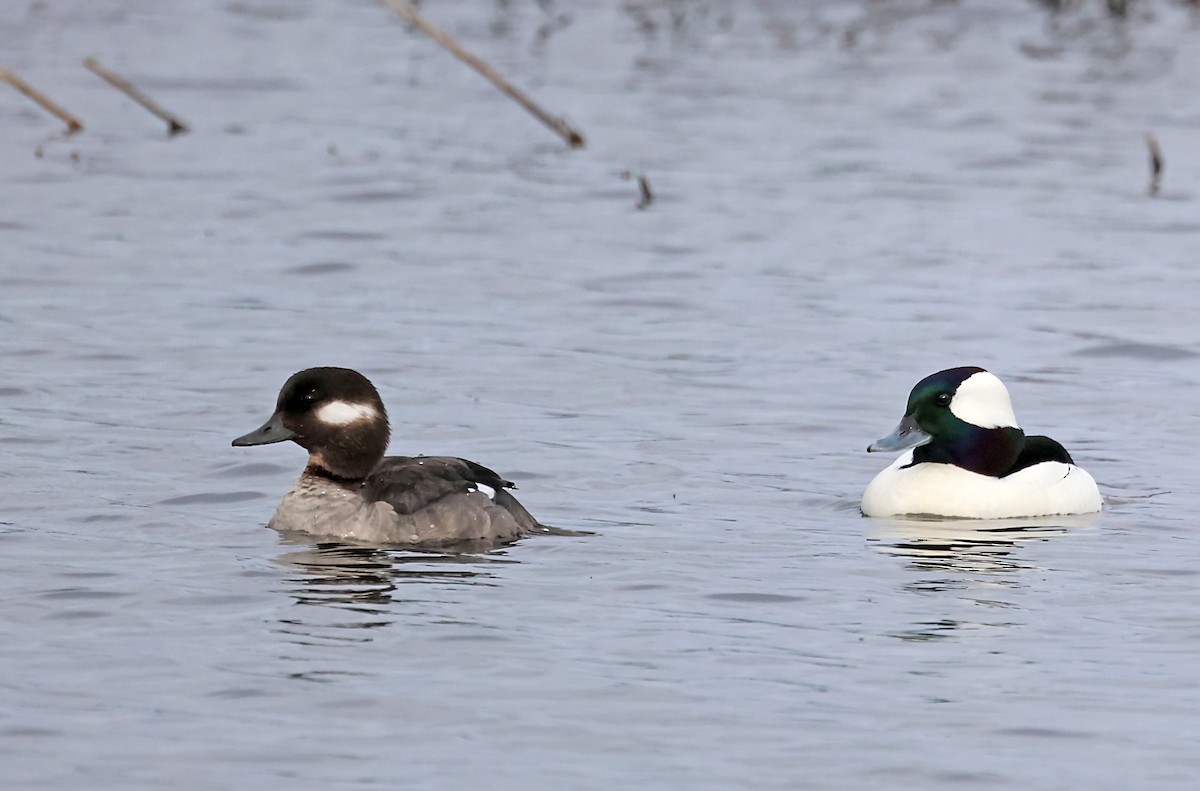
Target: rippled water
(848,196)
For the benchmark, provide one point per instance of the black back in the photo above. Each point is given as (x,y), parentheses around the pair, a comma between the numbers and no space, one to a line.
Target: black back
(1038,449)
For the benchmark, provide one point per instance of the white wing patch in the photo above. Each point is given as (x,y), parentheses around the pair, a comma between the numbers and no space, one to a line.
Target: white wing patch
(343,413)
(479,487)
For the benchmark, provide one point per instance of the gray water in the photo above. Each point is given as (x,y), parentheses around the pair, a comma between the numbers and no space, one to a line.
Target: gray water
(848,196)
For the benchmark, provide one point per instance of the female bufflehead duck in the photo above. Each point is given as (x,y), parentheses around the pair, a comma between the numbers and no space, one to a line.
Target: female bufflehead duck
(350,491)
(970,459)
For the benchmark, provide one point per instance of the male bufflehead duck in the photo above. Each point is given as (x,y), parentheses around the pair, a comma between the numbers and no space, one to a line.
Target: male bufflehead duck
(970,459)
(350,491)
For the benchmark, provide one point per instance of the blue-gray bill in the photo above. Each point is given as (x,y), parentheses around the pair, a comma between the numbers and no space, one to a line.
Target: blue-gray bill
(906,435)
(271,431)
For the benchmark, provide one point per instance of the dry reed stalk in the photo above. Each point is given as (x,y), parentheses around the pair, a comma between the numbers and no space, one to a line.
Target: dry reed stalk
(174,125)
(646,196)
(73,124)
(1156,164)
(413,16)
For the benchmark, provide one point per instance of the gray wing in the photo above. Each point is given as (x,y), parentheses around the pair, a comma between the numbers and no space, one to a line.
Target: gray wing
(410,484)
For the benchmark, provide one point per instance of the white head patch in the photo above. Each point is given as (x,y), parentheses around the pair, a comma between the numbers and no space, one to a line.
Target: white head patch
(982,400)
(343,413)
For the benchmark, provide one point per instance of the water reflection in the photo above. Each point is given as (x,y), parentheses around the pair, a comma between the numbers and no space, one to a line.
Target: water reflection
(971,546)
(973,560)
(355,586)
(345,593)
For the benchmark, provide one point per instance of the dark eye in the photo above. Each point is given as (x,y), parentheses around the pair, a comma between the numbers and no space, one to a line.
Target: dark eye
(309,398)
(944,399)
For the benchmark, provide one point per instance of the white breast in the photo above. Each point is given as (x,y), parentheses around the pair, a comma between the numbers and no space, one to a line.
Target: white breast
(945,490)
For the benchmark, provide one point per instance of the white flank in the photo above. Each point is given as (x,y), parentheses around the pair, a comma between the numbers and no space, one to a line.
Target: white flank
(1048,488)
(982,400)
(489,491)
(343,413)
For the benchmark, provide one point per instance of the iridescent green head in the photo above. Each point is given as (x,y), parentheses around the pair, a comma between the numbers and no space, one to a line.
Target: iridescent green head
(960,416)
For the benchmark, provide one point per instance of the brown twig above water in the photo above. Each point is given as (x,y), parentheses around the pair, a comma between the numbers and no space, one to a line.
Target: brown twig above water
(1156,164)
(73,124)
(647,196)
(174,125)
(413,16)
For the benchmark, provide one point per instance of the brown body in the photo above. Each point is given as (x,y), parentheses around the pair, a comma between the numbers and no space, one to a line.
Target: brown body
(427,508)
(349,491)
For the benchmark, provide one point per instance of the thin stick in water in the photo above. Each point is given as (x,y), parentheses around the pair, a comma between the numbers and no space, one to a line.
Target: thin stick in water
(73,124)
(644,189)
(174,125)
(413,16)
(1156,164)
(646,196)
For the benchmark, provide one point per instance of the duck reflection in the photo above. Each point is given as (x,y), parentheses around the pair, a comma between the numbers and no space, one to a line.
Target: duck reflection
(356,585)
(976,560)
(974,546)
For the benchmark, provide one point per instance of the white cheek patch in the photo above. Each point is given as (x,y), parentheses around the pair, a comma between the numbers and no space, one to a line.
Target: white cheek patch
(479,487)
(982,400)
(343,413)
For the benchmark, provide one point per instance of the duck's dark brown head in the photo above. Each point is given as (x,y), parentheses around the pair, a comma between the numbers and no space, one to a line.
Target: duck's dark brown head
(333,413)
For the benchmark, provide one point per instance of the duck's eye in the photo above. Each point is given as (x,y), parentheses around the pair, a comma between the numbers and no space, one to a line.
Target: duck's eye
(944,399)
(309,398)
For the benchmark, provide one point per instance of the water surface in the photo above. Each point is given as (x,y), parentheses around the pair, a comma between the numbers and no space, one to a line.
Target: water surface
(848,197)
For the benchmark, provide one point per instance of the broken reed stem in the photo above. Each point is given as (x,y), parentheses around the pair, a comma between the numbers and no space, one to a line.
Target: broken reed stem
(644,190)
(174,125)
(1156,164)
(646,196)
(73,124)
(413,16)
